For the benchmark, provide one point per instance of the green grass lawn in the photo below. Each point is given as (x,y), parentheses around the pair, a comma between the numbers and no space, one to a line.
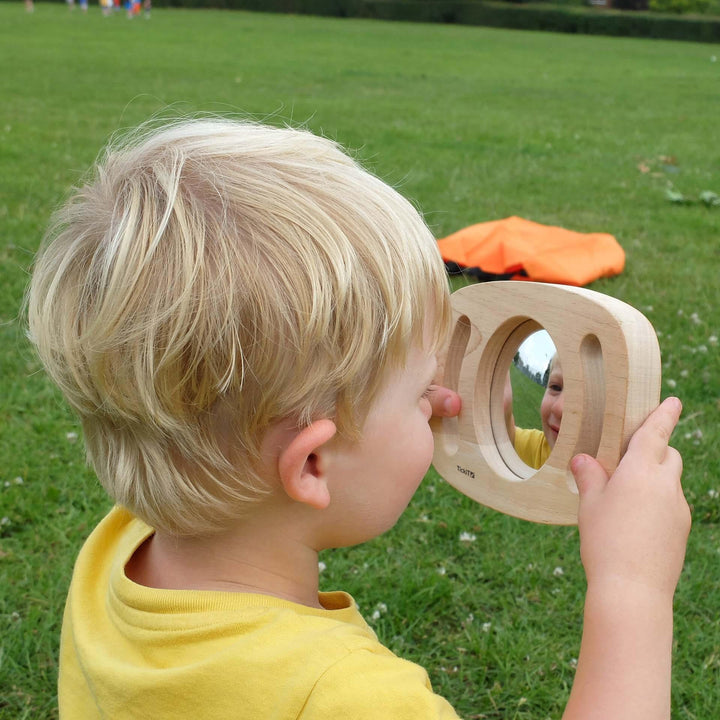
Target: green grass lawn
(473,124)
(527,396)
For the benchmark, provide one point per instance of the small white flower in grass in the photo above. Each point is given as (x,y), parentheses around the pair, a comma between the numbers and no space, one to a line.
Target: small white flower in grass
(486,627)
(573,662)
(702,348)
(680,312)
(469,618)
(714,494)
(15,616)
(441,570)
(558,572)
(18,480)
(5,520)
(380,609)
(695,318)
(467,537)
(671,383)
(322,566)
(684,373)
(71,437)
(713,340)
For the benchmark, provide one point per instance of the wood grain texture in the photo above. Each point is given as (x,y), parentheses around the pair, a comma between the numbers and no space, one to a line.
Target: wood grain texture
(611,366)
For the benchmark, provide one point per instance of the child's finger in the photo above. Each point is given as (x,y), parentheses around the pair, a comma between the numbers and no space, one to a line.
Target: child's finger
(654,434)
(444,402)
(673,461)
(590,476)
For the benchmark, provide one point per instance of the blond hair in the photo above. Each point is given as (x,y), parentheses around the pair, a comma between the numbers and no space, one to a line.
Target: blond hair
(221,269)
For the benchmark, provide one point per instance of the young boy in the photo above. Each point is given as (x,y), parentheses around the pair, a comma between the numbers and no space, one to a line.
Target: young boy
(246,323)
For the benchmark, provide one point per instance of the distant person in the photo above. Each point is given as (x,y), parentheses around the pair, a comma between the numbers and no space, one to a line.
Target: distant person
(247,324)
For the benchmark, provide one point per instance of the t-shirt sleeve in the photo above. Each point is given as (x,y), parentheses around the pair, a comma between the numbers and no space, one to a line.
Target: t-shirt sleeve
(532,447)
(368,686)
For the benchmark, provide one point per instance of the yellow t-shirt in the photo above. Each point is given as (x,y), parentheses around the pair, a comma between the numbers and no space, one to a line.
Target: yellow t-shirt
(532,447)
(131,652)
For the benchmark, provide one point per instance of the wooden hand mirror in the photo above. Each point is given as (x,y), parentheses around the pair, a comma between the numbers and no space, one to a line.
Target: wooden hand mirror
(611,382)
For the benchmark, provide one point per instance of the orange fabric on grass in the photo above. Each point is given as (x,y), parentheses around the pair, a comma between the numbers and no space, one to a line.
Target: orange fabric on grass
(546,253)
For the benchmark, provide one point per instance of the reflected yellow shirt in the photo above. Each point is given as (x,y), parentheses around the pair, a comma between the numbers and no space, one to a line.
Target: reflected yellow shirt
(532,447)
(130,652)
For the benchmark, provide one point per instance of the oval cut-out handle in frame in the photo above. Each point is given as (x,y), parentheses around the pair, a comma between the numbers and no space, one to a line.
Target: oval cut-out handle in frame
(612,373)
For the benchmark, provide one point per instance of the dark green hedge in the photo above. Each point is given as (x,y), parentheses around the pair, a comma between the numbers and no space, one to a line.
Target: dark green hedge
(566,19)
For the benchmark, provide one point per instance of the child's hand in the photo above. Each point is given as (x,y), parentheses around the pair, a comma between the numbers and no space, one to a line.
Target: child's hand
(633,531)
(443,401)
(634,526)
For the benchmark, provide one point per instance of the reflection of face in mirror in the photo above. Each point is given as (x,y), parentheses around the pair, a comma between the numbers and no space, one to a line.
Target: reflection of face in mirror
(551,407)
(533,399)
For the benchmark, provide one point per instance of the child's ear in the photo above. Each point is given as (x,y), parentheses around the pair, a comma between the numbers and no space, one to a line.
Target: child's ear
(300,471)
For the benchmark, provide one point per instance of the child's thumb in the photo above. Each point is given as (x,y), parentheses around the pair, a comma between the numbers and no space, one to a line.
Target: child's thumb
(590,476)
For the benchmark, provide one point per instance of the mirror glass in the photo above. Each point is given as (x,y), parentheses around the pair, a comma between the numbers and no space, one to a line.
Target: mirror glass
(533,399)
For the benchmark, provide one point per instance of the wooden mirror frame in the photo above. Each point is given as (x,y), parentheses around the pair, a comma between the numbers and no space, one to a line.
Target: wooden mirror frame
(611,366)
